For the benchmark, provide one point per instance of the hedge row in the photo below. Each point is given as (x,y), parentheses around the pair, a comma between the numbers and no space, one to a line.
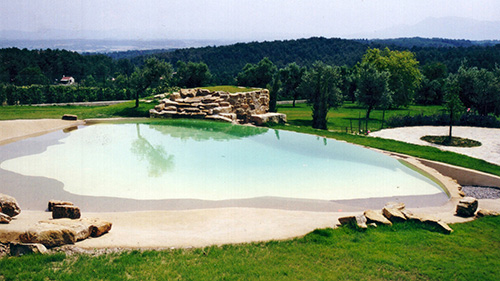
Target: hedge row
(36,94)
(443,120)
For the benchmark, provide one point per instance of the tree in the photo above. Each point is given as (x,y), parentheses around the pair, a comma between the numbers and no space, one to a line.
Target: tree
(372,88)
(431,90)
(453,103)
(322,83)
(404,75)
(192,74)
(291,77)
(257,75)
(274,89)
(153,74)
(31,75)
(479,89)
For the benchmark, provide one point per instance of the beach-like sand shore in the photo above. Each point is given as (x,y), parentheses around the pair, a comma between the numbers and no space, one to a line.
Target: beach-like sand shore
(192,228)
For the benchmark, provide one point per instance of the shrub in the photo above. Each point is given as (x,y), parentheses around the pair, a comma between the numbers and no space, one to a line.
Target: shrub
(443,120)
(36,94)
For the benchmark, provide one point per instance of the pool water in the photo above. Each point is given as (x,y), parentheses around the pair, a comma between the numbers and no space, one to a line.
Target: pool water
(190,159)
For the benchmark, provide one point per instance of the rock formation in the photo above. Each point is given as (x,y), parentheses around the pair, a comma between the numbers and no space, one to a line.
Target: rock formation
(467,206)
(240,108)
(59,232)
(393,212)
(9,206)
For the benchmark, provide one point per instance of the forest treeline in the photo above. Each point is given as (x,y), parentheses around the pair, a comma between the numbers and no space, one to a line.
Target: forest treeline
(25,67)
(326,71)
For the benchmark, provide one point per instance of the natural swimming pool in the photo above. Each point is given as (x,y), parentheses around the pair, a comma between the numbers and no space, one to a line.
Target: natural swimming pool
(210,161)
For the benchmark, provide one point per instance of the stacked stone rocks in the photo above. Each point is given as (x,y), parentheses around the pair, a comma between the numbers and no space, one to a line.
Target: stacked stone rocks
(240,108)
(391,213)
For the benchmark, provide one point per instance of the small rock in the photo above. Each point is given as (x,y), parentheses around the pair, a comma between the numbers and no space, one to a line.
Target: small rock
(359,221)
(4,218)
(53,203)
(487,213)
(395,205)
(394,215)
(467,206)
(65,211)
(9,206)
(410,215)
(19,249)
(97,227)
(70,117)
(442,226)
(376,217)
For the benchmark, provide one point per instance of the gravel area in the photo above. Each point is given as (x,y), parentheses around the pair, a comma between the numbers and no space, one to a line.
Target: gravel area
(481,192)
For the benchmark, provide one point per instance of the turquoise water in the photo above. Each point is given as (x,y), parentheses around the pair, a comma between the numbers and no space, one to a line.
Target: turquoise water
(216,161)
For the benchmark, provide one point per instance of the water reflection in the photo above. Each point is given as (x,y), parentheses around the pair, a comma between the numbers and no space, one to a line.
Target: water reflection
(159,161)
(205,131)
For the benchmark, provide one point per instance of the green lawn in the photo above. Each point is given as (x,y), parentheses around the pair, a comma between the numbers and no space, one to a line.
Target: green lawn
(83,112)
(230,88)
(406,251)
(349,115)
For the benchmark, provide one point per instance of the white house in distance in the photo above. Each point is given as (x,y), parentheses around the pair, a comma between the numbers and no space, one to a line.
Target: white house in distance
(67,80)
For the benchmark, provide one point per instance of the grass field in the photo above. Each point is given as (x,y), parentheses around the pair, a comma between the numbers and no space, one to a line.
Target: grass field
(406,251)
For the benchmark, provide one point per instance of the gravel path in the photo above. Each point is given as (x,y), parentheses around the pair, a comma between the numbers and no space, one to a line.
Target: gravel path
(489,138)
(481,192)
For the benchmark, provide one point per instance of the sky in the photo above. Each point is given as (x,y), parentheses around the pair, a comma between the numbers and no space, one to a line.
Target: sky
(233,19)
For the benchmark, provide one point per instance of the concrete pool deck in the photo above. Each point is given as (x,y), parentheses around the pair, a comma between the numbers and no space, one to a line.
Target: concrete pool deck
(200,227)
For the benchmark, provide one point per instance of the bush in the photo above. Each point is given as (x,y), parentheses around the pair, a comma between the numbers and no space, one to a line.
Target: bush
(36,94)
(443,120)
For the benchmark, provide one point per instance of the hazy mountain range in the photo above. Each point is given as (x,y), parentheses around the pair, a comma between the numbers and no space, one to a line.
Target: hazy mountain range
(450,27)
(120,40)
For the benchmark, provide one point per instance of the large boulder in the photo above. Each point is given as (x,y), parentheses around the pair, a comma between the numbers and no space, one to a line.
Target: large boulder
(467,206)
(65,211)
(9,206)
(81,229)
(376,217)
(50,235)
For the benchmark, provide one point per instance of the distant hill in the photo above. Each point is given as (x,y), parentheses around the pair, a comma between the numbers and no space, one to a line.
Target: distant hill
(226,61)
(428,42)
(445,27)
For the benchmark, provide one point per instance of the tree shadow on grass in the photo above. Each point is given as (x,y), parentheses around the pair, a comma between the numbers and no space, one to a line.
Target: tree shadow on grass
(134,112)
(300,122)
